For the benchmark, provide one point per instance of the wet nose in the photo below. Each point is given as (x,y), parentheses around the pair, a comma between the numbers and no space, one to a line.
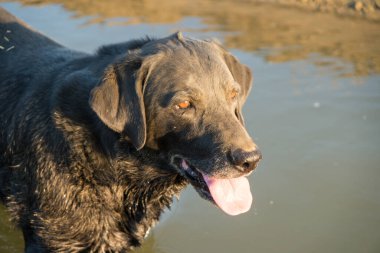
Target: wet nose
(245,161)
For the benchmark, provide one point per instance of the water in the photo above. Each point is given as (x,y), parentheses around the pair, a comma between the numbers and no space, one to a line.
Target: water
(314,112)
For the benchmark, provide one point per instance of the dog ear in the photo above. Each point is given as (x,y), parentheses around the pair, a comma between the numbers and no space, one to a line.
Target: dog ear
(243,76)
(241,73)
(118,101)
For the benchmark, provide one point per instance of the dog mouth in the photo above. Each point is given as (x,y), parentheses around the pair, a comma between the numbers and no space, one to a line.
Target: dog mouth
(231,195)
(195,177)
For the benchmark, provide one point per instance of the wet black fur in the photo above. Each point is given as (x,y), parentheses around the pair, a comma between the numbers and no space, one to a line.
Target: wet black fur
(78,172)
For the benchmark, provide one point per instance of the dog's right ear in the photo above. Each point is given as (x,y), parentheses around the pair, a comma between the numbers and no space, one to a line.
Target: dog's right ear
(118,100)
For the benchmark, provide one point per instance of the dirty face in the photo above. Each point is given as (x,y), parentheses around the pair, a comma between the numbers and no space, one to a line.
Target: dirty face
(193,109)
(183,98)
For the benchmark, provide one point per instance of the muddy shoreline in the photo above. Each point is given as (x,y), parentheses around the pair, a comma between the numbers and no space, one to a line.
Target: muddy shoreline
(363,9)
(366,9)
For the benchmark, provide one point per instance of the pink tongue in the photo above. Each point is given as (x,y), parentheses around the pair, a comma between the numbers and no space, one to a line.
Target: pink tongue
(233,196)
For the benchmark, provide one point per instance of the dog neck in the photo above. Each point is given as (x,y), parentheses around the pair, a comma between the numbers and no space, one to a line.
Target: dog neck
(140,184)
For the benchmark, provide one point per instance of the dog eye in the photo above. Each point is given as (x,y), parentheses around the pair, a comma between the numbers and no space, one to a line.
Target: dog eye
(183,105)
(234,94)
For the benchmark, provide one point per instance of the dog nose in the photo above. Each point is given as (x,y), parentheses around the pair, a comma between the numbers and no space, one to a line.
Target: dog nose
(245,161)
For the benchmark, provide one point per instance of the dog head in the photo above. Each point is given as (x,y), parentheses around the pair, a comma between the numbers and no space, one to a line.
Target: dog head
(183,98)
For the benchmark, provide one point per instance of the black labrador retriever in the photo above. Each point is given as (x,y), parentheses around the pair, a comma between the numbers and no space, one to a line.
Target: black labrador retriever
(94,147)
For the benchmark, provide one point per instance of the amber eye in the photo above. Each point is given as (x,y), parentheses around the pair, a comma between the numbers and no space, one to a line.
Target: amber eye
(183,105)
(234,94)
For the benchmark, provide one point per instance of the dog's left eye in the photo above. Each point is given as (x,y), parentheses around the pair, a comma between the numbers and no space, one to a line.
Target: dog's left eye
(234,94)
(183,105)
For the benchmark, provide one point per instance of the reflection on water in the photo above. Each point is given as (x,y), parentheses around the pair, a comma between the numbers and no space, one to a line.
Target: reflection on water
(293,34)
(315,111)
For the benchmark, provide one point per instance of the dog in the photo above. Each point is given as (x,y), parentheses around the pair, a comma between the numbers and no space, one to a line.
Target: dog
(94,147)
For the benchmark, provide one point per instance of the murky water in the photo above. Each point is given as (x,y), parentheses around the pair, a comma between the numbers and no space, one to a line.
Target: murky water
(314,111)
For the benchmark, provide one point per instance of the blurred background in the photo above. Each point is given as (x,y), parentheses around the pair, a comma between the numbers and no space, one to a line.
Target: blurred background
(314,111)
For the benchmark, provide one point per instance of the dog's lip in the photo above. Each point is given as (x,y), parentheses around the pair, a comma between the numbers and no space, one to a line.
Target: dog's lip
(194,176)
